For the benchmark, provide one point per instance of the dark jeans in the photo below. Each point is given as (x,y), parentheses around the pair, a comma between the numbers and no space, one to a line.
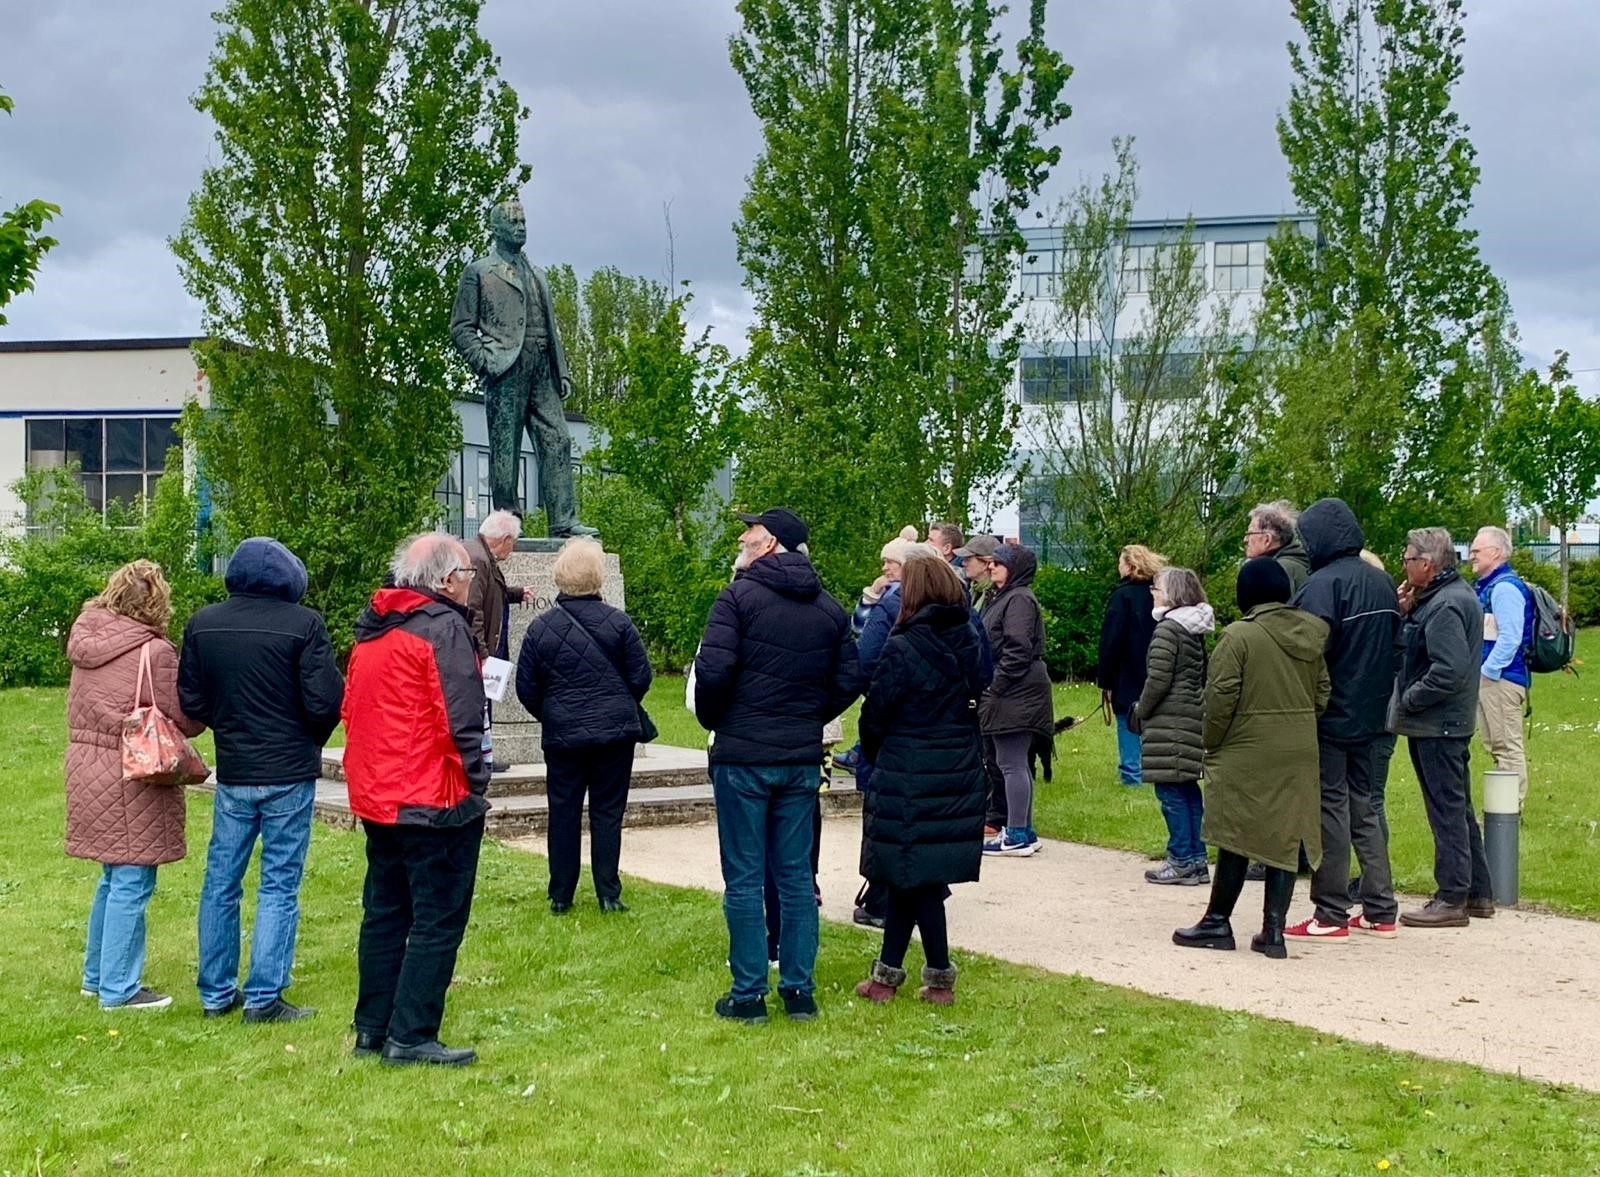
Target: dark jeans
(764,814)
(417,898)
(1460,870)
(770,889)
(526,397)
(1352,817)
(1183,807)
(922,908)
(604,772)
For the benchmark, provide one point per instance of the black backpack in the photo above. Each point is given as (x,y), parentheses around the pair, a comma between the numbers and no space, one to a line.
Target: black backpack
(1552,643)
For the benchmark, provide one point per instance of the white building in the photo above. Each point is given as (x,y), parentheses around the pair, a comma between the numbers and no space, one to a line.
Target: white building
(1232,253)
(110,405)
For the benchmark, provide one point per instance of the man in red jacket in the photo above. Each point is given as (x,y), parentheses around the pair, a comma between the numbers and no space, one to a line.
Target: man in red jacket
(413,717)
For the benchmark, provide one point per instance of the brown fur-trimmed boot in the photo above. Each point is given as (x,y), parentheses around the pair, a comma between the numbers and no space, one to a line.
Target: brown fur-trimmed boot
(881,984)
(938,985)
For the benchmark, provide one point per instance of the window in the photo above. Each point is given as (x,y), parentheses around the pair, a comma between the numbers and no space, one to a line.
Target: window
(448,494)
(1051,379)
(118,458)
(1039,274)
(1240,265)
(1178,377)
(1139,263)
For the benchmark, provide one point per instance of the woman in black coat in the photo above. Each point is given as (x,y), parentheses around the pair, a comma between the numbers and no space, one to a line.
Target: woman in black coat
(923,819)
(581,674)
(1124,644)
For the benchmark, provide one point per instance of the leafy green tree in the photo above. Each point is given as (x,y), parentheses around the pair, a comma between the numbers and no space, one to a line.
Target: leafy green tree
(1392,290)
(1547,444)
(1135,419)
(589,314)
(22,240)
(878,235)
(359,148)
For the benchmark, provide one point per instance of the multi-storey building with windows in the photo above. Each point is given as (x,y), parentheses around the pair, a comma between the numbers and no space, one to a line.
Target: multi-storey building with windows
(1052,370)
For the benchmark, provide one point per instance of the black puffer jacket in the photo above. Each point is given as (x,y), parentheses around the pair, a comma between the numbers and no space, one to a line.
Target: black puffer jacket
(1359,604)
(776,663)
(1170,713)
(1018,698)
(258,670)
(1441,660)
(923,822)
(1125,642)
(568,674)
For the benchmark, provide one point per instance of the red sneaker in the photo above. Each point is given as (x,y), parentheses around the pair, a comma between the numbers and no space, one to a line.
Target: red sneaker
(1314,929)
(1359,923)
(990,832)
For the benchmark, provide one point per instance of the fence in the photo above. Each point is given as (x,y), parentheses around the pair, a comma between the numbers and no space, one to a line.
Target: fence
(1546,553)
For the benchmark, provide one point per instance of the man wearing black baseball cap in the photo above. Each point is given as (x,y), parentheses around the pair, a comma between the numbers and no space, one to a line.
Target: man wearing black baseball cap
(776,663)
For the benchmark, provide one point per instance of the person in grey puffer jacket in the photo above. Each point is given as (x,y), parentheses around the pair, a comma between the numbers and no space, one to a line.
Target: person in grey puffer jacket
(1169,717)
(1435,706)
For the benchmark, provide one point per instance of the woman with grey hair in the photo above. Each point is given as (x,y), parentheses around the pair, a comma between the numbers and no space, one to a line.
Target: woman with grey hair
(582,673)
(1169,717)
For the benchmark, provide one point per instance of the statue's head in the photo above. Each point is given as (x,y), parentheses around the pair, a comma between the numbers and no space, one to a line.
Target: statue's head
(507,223)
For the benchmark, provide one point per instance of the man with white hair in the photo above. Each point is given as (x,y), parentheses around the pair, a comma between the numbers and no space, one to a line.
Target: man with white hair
(776,663)
(489,600)
(1435,705)
(1271,532)
(413,761)
(1507,625)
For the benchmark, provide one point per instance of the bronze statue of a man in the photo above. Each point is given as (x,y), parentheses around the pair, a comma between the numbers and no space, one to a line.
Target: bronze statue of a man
(504,326)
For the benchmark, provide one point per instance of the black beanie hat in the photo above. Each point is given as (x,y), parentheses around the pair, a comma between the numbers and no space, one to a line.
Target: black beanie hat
(1262,581)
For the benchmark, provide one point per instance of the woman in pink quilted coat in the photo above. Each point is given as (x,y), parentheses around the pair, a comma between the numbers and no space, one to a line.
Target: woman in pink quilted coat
(130,828)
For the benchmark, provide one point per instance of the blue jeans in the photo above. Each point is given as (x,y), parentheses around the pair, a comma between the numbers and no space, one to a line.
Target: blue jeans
(1183,808)
(1129,749)
(764,815)
(113,958)
(281,816)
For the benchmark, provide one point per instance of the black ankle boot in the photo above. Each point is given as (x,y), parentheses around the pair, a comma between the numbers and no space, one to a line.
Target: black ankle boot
(1274,910)
(1213,931)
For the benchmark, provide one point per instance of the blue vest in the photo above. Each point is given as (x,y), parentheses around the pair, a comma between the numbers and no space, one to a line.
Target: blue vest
(1517,671)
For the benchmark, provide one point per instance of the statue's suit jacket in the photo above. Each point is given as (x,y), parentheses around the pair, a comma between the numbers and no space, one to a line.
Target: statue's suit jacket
(490,319)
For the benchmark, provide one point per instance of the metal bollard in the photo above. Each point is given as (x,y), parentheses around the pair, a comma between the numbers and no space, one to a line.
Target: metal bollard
(1502,822)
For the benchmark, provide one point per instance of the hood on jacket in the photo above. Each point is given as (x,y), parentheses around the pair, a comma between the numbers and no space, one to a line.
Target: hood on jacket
(1330,532)
(390,607)
(1193,618)
(1019,561)
(1297,633)
(100,636)
(789,574)
(263,567)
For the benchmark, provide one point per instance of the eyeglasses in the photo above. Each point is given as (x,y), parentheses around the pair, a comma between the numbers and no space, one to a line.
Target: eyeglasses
(468,572)
(1413,559)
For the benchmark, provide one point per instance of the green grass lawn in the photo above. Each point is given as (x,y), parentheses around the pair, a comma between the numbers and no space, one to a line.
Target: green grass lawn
(1560,839)
(599,1053)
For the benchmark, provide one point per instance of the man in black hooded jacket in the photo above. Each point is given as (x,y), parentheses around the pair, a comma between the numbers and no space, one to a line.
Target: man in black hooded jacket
(776,663)
(1361,607)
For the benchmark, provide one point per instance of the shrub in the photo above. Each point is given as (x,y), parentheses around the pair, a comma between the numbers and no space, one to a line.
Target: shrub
(1074,604)
(47,573)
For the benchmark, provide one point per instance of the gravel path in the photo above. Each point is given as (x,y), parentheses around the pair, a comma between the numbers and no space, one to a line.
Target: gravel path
(1517,993)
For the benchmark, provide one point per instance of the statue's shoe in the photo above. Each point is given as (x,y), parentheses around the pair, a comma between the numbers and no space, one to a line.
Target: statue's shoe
(575,529)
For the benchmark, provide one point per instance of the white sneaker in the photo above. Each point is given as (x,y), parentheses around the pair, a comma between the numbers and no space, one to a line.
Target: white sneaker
(146,998)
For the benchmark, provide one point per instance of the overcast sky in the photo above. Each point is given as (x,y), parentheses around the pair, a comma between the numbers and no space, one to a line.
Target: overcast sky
(634,107)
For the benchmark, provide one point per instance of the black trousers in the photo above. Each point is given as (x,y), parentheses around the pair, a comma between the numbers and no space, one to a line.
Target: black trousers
(922,908)
(1460,870)
(1353,777)
(604,772)
(997,812)
(416,901)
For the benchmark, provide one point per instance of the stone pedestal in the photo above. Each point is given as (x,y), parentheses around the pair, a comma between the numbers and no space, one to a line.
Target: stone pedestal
(516,733)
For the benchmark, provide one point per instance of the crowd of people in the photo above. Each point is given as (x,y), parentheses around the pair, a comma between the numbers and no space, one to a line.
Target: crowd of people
(1272,747)
(1291,720)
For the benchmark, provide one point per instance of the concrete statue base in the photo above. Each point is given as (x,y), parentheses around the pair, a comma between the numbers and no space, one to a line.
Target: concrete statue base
(531,565)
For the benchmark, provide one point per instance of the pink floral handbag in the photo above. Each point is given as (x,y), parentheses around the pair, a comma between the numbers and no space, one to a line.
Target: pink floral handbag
(154,751)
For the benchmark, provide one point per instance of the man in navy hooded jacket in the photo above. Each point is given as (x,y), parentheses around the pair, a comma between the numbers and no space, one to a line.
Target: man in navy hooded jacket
(260,668)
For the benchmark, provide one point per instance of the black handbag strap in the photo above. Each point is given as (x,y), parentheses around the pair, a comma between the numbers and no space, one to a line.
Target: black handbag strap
(616,662)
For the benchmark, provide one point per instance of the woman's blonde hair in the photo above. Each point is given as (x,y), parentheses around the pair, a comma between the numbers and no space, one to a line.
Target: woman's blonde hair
(140,591)
(1143,564)
(580,567)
